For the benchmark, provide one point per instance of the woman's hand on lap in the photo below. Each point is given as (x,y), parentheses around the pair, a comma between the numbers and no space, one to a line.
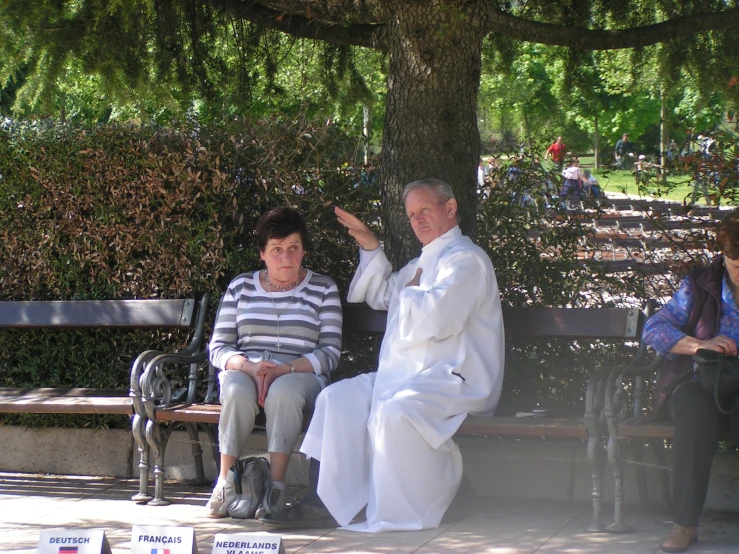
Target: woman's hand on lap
(267,376)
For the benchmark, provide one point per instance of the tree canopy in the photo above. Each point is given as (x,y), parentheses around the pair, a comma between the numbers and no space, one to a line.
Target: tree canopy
(167,51)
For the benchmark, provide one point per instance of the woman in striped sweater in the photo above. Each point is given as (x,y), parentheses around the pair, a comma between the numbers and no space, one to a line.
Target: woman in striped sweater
(276,337)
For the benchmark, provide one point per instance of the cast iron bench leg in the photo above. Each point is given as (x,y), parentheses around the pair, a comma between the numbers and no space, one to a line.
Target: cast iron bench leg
(139,433)
(616,457)
(658,448)
(158,444)
(197,454)
(637,448)
(597,462)
(211,430)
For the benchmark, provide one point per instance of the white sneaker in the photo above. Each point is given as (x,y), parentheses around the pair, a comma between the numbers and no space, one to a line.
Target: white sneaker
(216,506)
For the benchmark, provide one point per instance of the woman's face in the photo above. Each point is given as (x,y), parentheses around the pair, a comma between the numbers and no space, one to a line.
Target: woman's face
(283,258)
(732,269)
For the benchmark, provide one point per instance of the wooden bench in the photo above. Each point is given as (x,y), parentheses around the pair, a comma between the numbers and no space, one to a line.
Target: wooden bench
(105,314)
(608,324)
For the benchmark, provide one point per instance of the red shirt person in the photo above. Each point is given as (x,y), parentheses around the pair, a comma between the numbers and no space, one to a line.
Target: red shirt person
(557,150)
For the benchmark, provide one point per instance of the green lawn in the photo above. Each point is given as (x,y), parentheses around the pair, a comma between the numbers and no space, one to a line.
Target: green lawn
(678,187)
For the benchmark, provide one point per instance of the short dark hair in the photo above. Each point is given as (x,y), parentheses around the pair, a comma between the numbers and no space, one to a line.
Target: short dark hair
(279,223)
(727,235)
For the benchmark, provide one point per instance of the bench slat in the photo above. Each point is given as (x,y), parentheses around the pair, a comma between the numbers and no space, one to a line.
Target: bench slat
(524,427)
(601,323)
(196,413)
(97,313)
(473,426)
(65,401)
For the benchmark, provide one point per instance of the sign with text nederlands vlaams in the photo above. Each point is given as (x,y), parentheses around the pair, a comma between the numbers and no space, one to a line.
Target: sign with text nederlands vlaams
(248,543)
(149,539)
(73,541)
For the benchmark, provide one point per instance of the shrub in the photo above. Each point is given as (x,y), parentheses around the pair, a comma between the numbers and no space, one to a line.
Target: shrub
(142,212)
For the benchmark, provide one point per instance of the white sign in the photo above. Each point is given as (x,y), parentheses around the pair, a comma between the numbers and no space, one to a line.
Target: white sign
(248,543)
(163,540)
(73,541)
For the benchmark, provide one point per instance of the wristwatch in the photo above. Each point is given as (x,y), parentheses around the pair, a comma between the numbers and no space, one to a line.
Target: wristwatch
(291,366)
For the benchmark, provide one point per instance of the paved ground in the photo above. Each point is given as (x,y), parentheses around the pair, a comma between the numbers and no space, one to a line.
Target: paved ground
(31,503)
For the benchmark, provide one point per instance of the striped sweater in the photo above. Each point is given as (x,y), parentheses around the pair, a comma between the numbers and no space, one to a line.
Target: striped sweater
(309,323)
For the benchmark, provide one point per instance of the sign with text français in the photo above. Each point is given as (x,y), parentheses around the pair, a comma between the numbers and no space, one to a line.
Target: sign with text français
(149,539)
(248,543)
(73,541)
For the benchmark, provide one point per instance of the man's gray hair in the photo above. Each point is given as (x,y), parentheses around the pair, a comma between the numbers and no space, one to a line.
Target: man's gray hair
(442,190)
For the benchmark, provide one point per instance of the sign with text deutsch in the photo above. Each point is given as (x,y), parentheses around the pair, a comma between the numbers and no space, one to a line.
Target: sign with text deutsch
(248,543)
(150,539)
(73,541)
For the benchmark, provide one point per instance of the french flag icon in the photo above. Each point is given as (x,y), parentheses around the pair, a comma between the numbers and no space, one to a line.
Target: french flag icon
(160,551)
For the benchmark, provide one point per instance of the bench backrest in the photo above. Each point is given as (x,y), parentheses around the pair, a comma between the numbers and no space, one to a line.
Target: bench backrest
(153,313)
(601,323)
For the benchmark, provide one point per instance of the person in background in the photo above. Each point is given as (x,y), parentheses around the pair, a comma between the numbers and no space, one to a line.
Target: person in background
(591,187)
(276,337)
(557,150)
(574,179)
(623,152)
(480,174)
(703,313)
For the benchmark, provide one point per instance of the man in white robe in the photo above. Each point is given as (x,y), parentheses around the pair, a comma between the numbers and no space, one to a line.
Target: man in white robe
(384,439)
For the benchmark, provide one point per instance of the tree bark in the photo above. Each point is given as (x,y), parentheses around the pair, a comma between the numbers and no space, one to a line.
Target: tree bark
(431,113)
(596,150)
(664,136)
(527,129)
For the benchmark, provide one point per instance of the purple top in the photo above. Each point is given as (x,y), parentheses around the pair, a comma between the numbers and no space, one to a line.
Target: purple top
(662,331)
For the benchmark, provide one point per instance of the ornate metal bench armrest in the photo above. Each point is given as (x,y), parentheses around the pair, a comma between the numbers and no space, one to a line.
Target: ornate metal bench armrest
(139,365)
(615,409)
(155,386)
(643,370)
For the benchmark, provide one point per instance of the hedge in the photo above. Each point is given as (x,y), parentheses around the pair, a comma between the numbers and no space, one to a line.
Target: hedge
(112,212)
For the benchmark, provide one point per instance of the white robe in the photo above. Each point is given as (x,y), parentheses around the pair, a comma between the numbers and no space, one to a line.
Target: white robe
(384,439)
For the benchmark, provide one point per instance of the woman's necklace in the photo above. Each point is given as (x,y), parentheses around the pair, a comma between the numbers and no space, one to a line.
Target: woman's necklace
(280,287)
(274,305)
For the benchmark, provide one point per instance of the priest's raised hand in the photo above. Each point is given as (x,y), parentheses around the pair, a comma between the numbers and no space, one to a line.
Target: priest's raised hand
(356,228)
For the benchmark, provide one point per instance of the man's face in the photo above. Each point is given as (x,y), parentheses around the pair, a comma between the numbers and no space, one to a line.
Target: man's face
(430,217)
(559,140)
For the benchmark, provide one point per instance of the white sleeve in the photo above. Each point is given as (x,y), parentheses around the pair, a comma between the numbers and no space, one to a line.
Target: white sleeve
(365,257)
(374,280)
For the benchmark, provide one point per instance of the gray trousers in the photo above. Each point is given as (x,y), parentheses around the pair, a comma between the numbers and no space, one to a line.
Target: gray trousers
(288,396)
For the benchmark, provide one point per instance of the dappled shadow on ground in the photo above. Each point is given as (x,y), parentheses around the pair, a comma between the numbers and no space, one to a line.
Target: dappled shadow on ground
(31,503)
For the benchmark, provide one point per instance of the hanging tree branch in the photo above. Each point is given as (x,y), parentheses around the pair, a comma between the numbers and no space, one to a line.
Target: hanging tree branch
(361,23)
(599,39)
(368,35)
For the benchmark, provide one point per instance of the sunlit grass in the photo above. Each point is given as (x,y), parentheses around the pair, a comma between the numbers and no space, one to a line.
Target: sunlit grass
(678,187)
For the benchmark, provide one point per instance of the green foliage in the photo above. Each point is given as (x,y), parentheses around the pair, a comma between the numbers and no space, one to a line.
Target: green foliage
(127,212)
(165,62)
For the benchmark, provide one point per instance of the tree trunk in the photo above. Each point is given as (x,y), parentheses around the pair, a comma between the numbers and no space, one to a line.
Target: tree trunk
(431,114)
(527,129)
(366,129)
(596,149)
(664,137)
